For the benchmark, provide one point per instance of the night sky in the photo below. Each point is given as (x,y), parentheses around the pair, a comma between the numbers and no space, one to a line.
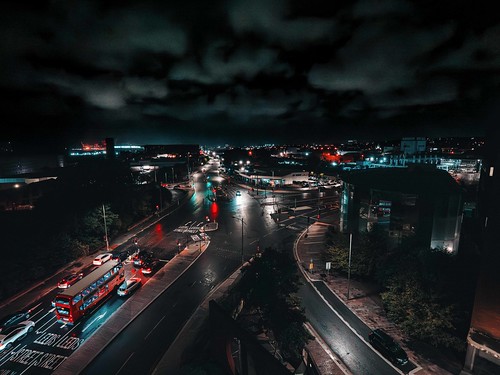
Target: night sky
(247,71)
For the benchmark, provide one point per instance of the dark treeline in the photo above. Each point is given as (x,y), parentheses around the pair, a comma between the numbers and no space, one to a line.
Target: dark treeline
(67,220)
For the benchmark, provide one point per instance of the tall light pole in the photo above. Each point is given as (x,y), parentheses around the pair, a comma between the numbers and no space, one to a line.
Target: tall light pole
(242,223)
(105,227)
(349,267)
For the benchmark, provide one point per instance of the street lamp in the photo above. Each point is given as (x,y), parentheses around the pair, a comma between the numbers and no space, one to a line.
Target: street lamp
(349,267)
(105,227)
(242,223)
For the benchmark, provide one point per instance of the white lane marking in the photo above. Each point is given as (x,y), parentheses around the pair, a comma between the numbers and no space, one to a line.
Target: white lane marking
(327,349)
(38,331)
(12,351)
(93,321)
(67,333)
(38,312)
(156,325)
(50,311)
(124,363)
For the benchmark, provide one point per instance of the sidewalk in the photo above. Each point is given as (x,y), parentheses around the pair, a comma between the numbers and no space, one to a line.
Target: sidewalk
(364,298)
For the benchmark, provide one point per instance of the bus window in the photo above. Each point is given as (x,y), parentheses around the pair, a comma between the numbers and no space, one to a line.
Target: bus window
(77,298)
(62,300)
(62,310)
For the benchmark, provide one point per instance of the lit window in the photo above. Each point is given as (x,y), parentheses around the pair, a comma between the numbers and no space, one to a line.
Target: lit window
(491,171)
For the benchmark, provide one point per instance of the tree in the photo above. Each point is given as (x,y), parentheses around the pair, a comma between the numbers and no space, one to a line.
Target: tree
(270,284)
(92,227)
(414,278)
(420,314)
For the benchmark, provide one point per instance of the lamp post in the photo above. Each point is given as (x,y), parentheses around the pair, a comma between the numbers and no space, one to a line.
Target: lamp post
(349,267)
(105,227)
(242,223)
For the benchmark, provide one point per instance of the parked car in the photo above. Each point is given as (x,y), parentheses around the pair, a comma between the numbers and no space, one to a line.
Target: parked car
(150,265)
(13,319)
(389,348)
(69,280)
(101,259)
(15,333)
(129,286)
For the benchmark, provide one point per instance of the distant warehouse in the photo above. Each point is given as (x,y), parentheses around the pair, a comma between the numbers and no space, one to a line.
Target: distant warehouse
(418,200)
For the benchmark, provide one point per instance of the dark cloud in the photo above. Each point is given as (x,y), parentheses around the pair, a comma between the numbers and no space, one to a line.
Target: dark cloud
(228,71)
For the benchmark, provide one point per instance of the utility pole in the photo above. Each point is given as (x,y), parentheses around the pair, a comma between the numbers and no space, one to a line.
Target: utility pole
(105,227)
(349,268)
(242,224)
(242,241)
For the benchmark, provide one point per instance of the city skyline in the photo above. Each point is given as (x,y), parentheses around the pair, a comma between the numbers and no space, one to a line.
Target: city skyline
(247,72)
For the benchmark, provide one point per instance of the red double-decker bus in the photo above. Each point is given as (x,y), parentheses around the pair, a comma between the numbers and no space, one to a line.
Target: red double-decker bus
(81,298)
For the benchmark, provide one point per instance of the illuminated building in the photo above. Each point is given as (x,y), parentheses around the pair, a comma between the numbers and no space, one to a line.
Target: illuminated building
(416,201)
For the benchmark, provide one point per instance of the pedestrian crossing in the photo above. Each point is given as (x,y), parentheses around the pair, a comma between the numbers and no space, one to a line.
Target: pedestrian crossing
(190,227)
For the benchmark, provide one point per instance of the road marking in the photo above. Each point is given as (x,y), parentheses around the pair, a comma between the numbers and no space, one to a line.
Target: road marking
(145,338)
(93,321)
(51,310)
(124,363)
(10,353)
(33,308)
(327,349)
(62,338)
(38,331)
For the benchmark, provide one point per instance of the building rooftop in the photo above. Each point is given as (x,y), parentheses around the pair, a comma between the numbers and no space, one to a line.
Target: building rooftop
(414,179)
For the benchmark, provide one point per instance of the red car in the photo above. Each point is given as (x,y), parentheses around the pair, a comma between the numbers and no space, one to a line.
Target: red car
(69,280)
